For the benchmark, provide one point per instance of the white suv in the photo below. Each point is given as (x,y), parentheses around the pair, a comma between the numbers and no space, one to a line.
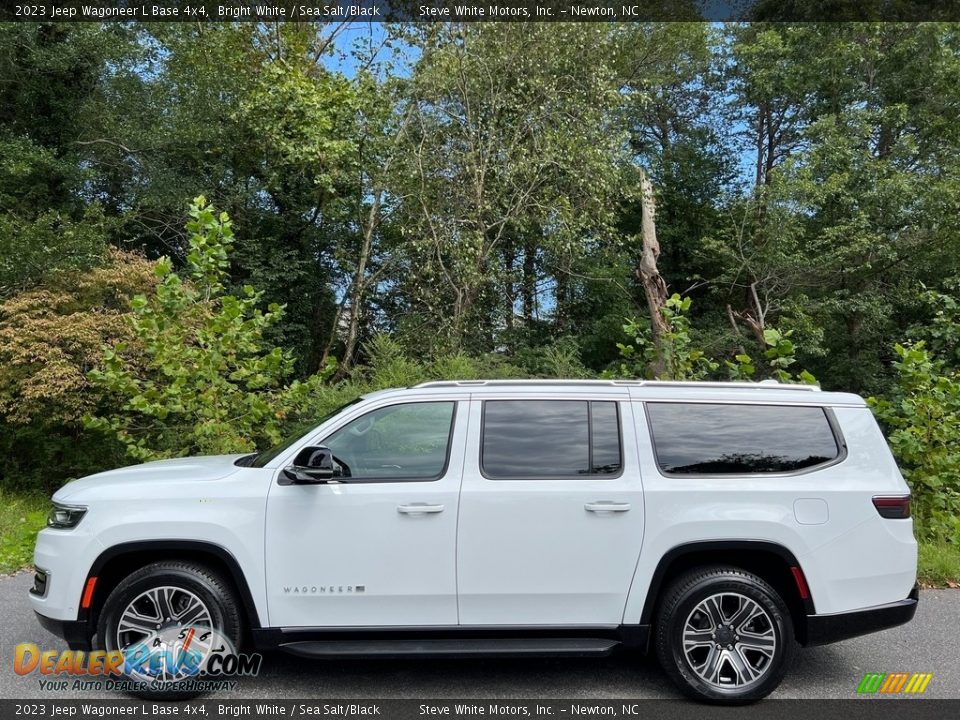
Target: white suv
(719,523)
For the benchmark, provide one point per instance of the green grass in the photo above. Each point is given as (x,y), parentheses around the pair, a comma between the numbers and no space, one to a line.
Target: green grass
(21,517)
(939,565)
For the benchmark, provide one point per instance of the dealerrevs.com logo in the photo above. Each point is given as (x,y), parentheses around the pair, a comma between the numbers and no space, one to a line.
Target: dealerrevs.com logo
(902,683)
(192,659)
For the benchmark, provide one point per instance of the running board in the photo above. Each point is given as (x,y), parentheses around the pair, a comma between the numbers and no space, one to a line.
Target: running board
(466,647)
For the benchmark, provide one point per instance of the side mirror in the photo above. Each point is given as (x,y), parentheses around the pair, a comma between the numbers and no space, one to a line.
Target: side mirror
(312,466)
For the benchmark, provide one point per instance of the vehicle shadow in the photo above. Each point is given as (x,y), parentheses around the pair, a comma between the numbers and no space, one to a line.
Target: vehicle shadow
(622,675)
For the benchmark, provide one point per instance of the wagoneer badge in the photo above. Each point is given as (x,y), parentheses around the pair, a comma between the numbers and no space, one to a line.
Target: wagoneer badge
(323,589)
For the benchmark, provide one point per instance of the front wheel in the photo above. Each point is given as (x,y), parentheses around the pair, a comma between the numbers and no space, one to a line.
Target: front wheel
(169,619)
(724,635)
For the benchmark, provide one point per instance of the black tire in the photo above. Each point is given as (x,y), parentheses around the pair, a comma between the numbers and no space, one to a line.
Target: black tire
(689,599)
(211,589)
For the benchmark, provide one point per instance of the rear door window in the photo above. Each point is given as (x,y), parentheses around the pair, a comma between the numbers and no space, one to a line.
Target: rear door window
(528,439)
(728,439)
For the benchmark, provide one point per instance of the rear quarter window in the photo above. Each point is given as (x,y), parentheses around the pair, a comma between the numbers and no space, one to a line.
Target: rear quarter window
(730,439)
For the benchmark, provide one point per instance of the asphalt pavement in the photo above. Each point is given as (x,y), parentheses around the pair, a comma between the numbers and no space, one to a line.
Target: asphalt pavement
(931,643)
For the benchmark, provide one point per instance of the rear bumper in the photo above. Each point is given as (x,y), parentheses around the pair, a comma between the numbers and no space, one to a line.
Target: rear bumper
(75,632)
(823,629)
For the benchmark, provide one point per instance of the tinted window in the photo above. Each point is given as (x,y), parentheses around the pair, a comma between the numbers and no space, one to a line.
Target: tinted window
(606,437)
(699,438)
(401,442)
(549,438)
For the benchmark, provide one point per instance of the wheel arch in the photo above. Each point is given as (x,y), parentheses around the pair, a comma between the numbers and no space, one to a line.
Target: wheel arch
(770,561)
(118,561)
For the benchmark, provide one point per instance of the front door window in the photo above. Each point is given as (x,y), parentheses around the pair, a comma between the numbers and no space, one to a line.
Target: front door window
(410,441)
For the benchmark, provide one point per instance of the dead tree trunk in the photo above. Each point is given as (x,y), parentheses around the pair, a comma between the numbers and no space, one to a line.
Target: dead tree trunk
(755,318)
(509,286)
(736,330)
(654,286)
(359,284)
(529,284)
(353,299)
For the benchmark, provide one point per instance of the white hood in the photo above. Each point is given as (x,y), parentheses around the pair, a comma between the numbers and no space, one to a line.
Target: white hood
(175,470)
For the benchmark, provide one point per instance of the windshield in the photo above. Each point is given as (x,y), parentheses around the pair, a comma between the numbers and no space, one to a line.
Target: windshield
(266,456)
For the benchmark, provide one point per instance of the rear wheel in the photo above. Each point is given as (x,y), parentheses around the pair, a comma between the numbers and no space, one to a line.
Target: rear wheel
(724,635)
(168,618)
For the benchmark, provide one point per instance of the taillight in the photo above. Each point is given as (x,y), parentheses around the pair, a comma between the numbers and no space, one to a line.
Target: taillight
(893,508)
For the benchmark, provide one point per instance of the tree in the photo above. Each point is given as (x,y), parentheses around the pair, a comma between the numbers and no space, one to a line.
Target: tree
(251,114)
(50,337)
(922,416)
(509,149)
(51,73)
(201,379)
(677,354)
(672,87)
(364,257)
(857,184)
(654,286)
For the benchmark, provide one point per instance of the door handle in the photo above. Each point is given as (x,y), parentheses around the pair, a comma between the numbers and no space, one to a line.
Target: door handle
(419,508)
(605,506)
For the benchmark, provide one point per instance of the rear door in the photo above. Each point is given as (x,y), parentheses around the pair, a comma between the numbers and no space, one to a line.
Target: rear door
(551,511)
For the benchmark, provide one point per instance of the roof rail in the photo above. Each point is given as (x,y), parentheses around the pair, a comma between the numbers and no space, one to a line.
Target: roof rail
(537,381)
(770,384)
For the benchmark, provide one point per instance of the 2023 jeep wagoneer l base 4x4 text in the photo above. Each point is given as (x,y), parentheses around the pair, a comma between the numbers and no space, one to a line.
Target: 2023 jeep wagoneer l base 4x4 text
(719,524)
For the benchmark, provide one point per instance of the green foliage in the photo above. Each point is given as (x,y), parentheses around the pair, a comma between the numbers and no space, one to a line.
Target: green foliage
(504,174)
(562,359)
(206,382)
(50,336)
(922,417)
(30,250)
(675,351)
(42,228)
(941,333)
(298,115)
(390,365)
(47,221)
(683,359)
(779,353)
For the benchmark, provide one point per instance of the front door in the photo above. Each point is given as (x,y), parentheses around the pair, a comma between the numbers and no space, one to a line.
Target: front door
(551,512)
(378,548)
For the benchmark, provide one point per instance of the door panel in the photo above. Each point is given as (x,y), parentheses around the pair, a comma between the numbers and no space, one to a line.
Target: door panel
(550,550)
(379,548)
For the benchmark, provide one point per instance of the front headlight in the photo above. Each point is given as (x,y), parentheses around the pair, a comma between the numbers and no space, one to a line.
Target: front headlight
(65,516)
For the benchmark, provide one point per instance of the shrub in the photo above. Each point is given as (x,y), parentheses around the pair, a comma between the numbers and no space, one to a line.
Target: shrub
(922,418)
(681,358)
(200,378)
(50,337)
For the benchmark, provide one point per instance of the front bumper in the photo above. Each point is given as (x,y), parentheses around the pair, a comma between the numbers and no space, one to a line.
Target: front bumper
(75,632)
(823,629)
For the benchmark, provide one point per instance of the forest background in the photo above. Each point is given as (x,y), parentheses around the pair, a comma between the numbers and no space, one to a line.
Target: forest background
(213,234)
